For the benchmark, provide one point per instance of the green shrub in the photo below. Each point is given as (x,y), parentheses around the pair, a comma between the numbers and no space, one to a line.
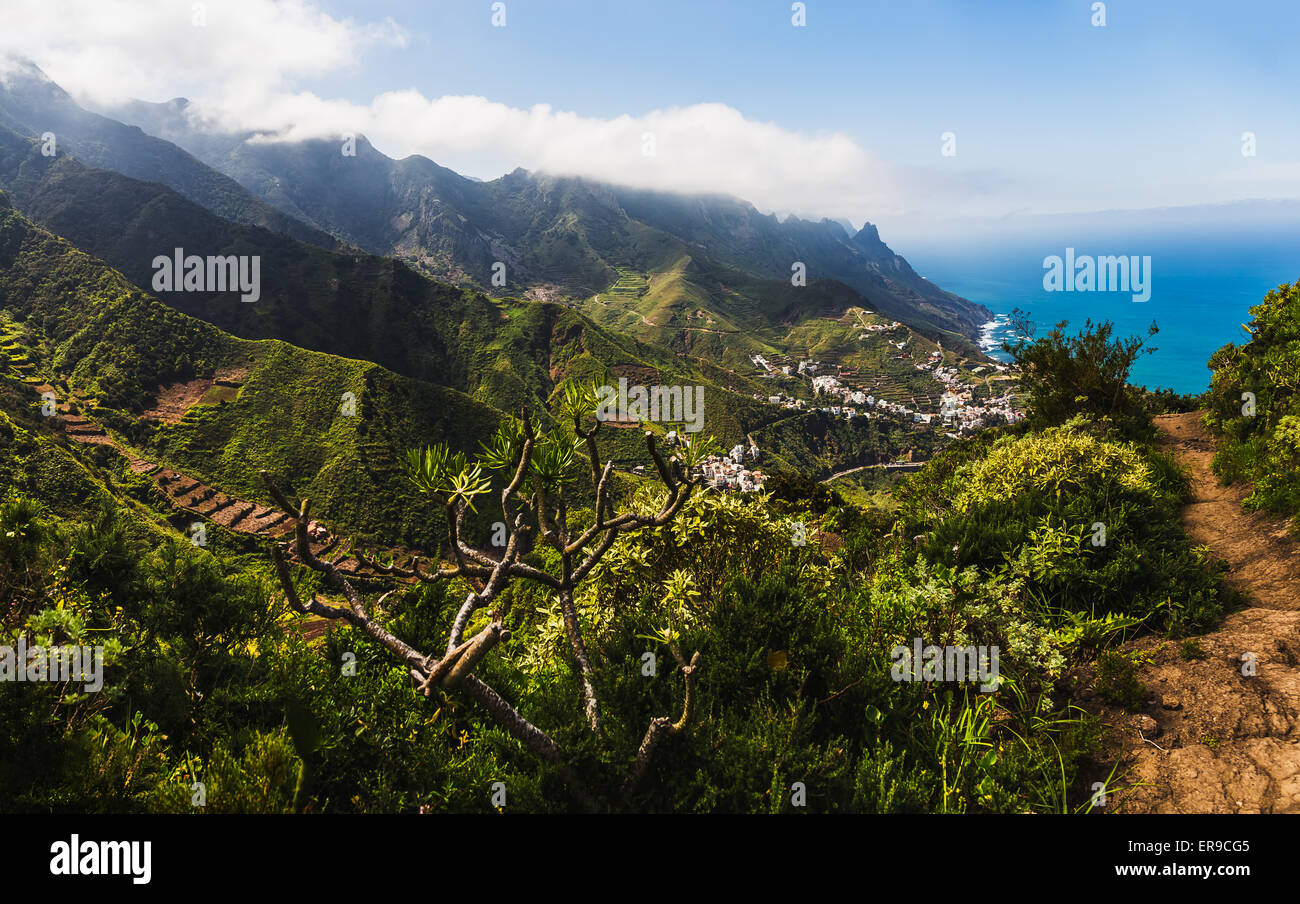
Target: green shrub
(1254,403)
(1116,680)
(1088,522)
(1085,373)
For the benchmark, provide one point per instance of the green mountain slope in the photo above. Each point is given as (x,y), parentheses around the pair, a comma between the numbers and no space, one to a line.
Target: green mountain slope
(554,234)
(702,322)
(506,353)
(95,338)
(32,106)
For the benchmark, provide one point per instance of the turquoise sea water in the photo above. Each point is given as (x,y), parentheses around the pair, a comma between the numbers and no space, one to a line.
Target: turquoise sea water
(1203,285)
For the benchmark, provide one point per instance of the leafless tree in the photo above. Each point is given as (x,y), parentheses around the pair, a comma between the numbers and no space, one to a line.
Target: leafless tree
(535,503)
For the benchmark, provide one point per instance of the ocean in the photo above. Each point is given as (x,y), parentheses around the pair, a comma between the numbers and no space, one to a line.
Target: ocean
(1203,283)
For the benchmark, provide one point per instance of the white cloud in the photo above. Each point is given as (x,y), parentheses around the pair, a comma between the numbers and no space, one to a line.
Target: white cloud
(699,148)
(113,50)
(241,70)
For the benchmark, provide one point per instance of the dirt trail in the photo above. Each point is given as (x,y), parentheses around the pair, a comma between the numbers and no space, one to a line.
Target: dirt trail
(884,466)
(1223,742)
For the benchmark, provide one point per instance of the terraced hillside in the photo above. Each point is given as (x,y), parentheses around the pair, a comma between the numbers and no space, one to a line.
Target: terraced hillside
(106,353)
(506,353)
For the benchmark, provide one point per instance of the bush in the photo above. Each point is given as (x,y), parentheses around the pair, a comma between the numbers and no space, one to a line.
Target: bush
(1117,680)
(1254,403)
(1088,522)
(1086,373)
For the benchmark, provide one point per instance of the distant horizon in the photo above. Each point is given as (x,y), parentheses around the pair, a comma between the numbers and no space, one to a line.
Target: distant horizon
(854,225)
(1203,286)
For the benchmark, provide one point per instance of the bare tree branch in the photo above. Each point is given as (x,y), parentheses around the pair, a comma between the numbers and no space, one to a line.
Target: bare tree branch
(662,725)
(580,654)
(488,577)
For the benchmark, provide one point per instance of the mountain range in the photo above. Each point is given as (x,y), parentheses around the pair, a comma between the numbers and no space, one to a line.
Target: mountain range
(555,234)
(376,278)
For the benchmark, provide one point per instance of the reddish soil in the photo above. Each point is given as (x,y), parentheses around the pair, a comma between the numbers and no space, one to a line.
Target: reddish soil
(173,400)
(1212,740)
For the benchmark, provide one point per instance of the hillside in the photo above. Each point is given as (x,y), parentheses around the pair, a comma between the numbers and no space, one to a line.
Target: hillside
(216,676)
(687,291)
(163,419)
(31,105)
(504,352)
(117,355)
(555,234)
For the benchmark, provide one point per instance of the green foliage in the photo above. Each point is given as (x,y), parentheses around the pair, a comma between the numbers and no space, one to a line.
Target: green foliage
(287,420)
(795,683)
(885,783)
(795,686)
(447,475)
(1088,522)
(1254,403)
(791,491)
(1166,401)
(1086,373)
(992,543)
(1117,680)
(816,444)
(1052,463)
(105,334)
(119,769)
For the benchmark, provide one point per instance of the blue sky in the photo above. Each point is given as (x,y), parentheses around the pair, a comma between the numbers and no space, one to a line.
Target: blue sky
(1034,92)
(841,118)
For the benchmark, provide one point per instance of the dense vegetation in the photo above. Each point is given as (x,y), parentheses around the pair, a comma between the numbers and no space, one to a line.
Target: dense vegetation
(992,545)
(249,674)
(1085,373)
(114,347)
(1255,404)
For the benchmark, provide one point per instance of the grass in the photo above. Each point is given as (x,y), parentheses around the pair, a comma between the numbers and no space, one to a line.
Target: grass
(1116,680)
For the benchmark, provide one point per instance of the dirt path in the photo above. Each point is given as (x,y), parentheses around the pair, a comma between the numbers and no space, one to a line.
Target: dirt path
(1223,742)
(884,466)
